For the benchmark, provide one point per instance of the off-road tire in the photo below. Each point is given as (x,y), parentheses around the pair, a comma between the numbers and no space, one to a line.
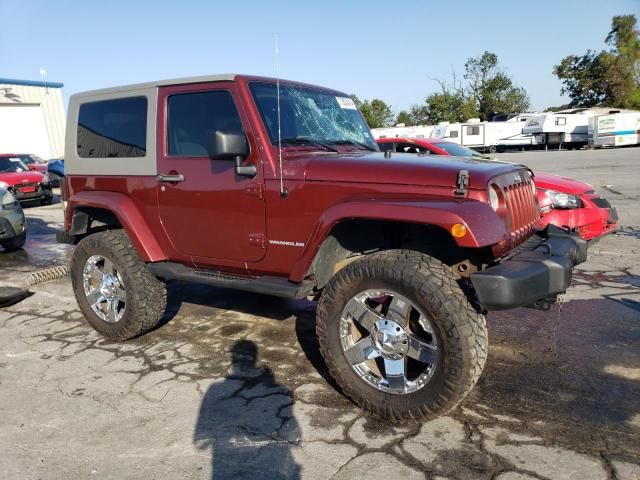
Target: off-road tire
(146,295)
(15,243)
(460,329)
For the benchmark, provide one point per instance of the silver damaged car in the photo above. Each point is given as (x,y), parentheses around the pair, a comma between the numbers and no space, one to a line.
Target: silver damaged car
(13,231)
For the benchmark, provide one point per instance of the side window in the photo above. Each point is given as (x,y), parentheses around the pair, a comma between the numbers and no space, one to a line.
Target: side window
(386,146)
(113,128)
(453,134)
(193,117)
(561,120)
(473,130)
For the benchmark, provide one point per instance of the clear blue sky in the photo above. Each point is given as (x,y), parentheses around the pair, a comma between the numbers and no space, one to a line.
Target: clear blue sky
(385,49)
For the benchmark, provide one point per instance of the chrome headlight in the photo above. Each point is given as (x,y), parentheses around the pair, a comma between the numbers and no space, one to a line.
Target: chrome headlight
(563,200)
(494,198)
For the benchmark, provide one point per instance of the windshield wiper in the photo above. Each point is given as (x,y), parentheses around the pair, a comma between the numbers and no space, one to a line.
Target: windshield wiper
(308,141)
(356,143)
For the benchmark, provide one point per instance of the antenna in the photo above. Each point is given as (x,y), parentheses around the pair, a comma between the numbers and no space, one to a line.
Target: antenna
(43,74)
(283,190)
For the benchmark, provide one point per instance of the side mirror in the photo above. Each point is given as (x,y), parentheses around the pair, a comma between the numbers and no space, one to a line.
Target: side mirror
(231,146)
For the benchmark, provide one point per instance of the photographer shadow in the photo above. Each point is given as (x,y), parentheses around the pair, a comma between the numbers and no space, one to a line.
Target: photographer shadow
(246,421)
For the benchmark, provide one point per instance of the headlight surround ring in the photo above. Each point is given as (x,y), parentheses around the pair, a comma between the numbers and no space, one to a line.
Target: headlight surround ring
(494,198)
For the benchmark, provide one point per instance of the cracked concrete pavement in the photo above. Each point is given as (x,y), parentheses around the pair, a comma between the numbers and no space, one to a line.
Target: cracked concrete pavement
(232,385)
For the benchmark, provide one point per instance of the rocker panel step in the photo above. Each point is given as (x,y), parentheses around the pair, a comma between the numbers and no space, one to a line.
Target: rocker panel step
(269,285)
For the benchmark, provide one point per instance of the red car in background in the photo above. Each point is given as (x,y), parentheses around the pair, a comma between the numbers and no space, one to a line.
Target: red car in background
(23,183)
(563,201)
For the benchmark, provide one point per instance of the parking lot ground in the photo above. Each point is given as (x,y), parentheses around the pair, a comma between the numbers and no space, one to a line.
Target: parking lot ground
(232,384)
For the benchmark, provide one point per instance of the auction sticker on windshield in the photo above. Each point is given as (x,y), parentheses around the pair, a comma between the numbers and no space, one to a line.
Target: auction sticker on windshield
(346,102)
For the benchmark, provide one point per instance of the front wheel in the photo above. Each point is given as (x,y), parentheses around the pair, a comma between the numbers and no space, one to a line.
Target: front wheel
(399,336)
(115,290)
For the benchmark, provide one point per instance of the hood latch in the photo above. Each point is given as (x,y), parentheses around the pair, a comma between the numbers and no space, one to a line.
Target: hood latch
(462,183)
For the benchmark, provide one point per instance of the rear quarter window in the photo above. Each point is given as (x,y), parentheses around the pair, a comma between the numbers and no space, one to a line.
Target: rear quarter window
(113,128)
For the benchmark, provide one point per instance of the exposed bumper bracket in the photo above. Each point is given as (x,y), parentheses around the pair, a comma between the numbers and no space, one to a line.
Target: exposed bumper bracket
(534,275)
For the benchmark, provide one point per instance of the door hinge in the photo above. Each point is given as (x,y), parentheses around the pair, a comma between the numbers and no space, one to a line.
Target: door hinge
(255,189)
(257,240)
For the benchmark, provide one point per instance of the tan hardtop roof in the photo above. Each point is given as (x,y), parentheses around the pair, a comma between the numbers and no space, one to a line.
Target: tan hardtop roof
(159,83)
(229,77)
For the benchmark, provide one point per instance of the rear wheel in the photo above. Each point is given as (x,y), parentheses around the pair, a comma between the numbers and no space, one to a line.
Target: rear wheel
(115,290)
(399,335)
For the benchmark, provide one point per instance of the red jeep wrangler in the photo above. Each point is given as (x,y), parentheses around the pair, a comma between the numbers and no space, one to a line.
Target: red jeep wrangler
(278,187)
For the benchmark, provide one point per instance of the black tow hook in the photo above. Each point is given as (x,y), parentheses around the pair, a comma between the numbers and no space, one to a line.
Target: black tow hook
(545,303)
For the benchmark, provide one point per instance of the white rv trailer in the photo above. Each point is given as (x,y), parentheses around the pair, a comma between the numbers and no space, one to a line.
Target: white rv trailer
(615,130)
(567,128)
(418,131)
(487,136)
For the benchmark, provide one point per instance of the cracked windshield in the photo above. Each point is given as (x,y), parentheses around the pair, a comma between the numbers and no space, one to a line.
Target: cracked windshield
(310,116)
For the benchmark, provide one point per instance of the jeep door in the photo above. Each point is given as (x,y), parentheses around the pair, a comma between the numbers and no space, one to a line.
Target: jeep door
(206,209)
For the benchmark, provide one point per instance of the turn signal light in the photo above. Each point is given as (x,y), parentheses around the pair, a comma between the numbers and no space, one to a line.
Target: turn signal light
(459,230)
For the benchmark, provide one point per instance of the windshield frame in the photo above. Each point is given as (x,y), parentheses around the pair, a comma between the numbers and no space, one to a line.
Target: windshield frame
(301,100)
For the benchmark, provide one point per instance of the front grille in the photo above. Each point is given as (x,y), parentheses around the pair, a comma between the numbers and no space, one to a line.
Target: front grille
(26,187)
(601,202)
(521,204)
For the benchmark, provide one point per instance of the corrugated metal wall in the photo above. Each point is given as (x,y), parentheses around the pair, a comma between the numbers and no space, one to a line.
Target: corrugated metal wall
(50,100)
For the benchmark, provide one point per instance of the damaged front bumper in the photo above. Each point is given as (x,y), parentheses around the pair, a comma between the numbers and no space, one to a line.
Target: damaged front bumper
(539,270)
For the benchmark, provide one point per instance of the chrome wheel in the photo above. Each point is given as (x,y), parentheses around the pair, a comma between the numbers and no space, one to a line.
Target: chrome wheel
(104,289)
(388,341)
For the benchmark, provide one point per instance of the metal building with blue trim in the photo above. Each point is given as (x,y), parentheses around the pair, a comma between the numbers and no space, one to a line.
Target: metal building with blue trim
(32,117)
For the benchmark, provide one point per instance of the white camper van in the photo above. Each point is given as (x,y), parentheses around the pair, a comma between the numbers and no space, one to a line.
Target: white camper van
(615,130)
(566,128)
(418,131)
(487,136)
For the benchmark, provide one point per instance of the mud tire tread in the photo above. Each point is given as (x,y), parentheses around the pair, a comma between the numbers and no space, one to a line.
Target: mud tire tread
(462,333)
(146,295)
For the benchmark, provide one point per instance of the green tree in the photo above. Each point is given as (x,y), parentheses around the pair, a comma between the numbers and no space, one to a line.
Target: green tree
(490,89)
(558,108)
(449,106)
(419,114)
(376,113)
(608,78)
(585,79)
(404,117)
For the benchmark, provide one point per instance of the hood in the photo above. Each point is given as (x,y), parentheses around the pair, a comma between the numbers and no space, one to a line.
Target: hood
(17,178)
(560,184)
(405,169)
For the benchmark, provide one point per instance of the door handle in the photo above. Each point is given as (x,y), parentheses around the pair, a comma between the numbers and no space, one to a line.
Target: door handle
(175,178)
